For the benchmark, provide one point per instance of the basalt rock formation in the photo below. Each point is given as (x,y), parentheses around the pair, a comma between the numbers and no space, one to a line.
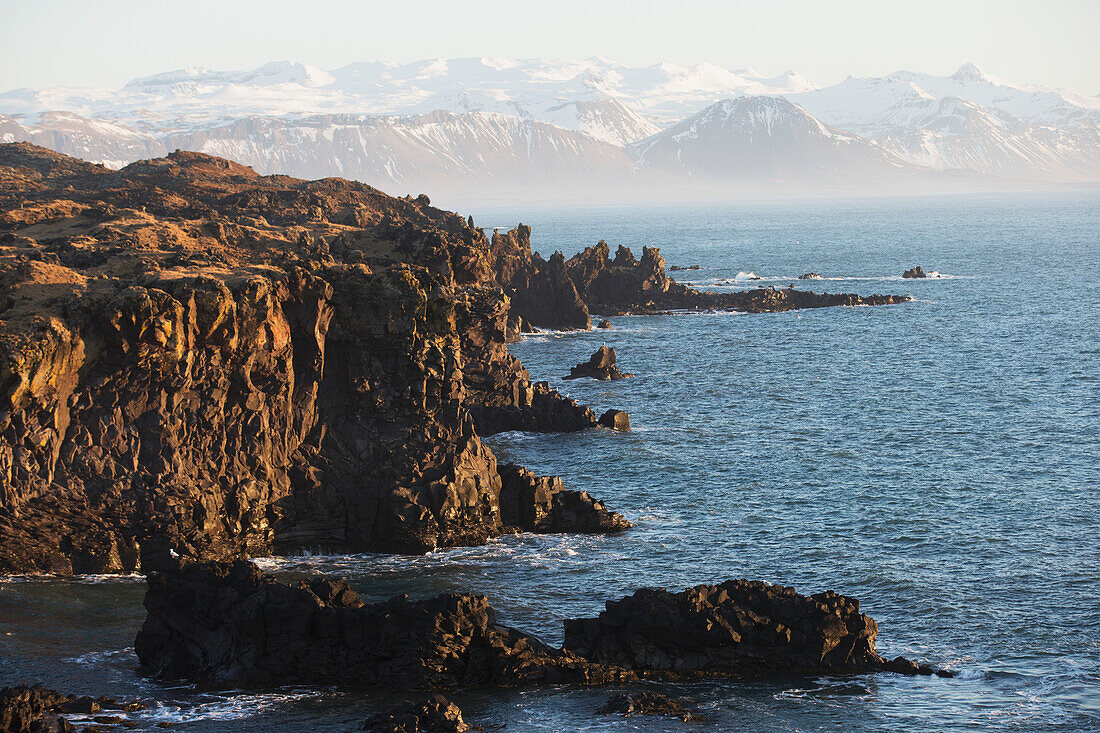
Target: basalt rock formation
(561,294)
(200,359)
(541,292)
(229,624)
(626,285)
(739,627)
(915,274)
(601,365)
(437,714)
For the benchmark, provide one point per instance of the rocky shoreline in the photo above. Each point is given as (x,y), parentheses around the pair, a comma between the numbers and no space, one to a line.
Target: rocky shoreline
(229,624)
(199,365)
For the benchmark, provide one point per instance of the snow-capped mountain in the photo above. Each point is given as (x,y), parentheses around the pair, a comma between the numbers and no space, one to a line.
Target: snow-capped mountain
(760,138)
(967,121)
(450,151)
(479,123)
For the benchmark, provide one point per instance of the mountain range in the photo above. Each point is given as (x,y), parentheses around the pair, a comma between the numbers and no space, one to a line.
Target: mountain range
(507,128)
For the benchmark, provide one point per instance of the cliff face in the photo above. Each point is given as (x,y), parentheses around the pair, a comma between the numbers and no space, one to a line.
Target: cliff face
(199,359)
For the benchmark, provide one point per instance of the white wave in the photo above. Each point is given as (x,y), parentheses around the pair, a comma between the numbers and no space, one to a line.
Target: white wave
(233,705)
(89,579)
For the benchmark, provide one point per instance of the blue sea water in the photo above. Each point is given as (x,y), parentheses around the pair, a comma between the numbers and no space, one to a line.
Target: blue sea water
(939,460)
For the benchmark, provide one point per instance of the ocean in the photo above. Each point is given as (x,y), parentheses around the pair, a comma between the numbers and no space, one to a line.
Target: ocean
(938,460)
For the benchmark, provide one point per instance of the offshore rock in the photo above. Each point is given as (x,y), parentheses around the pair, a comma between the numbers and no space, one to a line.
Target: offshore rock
(229,624)
(604,324)
(616,420)
(437,714)
(601,365)
(542,504)
(915,273)
(199,359)
(649,703)
(810,276)
(739,627)
(678,268)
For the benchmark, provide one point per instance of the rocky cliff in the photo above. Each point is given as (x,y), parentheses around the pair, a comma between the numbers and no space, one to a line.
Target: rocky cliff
(195,358)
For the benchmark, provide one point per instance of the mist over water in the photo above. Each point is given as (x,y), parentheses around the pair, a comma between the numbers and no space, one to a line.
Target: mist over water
(938,460)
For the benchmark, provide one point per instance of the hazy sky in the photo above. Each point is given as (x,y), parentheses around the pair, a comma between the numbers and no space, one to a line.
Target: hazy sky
(107,42)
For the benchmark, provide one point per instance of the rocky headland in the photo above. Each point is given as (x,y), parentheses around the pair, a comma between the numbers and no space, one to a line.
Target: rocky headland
(196,359)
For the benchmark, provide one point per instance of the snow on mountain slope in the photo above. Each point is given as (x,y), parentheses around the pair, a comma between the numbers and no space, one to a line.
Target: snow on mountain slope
(607,100)
(110,143)
(765,138)
(438,151)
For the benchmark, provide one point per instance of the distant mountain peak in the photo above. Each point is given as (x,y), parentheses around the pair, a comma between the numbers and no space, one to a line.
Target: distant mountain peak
(970,71)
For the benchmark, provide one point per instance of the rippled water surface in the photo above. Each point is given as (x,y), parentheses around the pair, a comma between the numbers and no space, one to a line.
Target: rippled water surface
(938,460)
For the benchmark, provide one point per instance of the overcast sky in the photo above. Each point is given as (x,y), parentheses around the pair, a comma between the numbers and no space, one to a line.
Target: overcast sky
(107,42)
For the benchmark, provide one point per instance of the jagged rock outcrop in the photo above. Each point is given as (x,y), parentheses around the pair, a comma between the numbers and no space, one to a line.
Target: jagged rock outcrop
(197,358)
(649,703)
(738,627)
(542,294)
(915,273)
(229,624)
(542,504)
(810,276)
(601,365)
(626,285)
(35,709)
(437,714)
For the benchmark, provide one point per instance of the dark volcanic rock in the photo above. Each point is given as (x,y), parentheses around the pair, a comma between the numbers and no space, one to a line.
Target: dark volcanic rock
(34,709)
(198,358)
(810,276)
(915,274)
(649,703)
(604,324)
(541,504)
(437,714)
(229,624)
(541,292)
(627,285)
(616,420)
(601,365)
(738,627)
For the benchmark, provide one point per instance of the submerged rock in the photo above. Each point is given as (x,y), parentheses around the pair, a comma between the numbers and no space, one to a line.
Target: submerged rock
(649,703)
(739,627)
(915,273)
(601,365)
(679,268)
(616,420)
(437,714)
(230,624)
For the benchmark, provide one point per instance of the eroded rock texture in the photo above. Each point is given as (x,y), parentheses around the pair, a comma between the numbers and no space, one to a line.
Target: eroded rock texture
(738,627)
(229,624)
(197,358)
(601,365)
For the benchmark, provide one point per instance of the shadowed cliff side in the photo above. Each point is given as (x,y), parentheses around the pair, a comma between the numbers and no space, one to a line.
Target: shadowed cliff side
(200,359)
